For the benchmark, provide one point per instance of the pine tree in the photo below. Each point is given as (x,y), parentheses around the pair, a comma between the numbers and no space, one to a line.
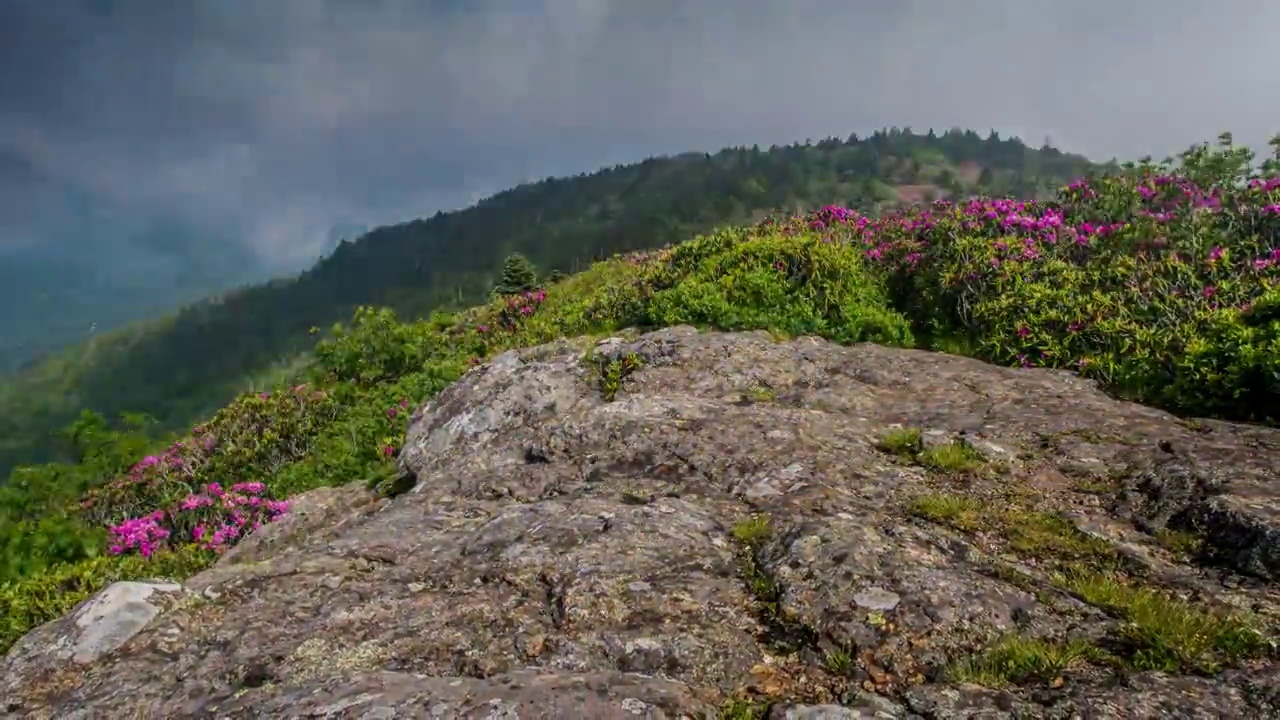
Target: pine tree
(518,275)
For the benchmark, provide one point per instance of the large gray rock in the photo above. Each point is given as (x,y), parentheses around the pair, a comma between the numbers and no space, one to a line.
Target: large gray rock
(559,555)
(98,626)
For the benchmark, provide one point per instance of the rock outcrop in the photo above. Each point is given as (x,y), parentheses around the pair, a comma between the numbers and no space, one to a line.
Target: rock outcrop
(686,517)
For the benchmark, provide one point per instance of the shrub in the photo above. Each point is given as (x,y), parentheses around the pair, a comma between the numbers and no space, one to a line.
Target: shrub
(375,348)
(1161,283)
(802,284)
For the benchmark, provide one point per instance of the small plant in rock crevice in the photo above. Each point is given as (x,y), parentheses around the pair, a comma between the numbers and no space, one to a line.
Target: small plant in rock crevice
(1017,660)
(612,371)
(784,631)
(908,446)
(903,442)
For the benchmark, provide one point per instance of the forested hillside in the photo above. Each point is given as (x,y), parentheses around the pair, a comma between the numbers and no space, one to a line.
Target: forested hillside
(178,367)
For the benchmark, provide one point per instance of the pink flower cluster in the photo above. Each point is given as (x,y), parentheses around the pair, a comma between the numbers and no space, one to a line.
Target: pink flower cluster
(394,410)
(180,463)
(144,534)
(527,302)
(1188,245)
(516,308)
(1026,230)
(215,519)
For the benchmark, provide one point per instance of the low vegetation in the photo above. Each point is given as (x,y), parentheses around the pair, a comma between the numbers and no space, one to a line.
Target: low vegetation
(1162,282)
(1154,630)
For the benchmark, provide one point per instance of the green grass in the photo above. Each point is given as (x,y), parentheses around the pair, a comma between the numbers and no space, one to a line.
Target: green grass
(742,709)
(958,511)
(953,457)
(1163,632)
(1155,629)
(903,442)
(1017,660)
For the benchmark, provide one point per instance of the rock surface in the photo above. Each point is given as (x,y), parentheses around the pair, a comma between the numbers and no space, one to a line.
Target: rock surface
(735,523)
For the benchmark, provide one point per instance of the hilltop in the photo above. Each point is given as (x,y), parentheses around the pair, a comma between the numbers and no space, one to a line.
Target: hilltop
(548,498)
(182,366)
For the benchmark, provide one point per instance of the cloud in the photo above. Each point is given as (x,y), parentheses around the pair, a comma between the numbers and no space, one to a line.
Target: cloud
(267,124)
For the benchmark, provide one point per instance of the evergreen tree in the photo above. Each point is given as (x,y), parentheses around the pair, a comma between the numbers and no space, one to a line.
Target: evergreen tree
(518,275)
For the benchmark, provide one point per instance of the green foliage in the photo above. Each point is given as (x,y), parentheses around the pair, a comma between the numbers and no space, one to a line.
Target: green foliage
(374,349)
(796,285)
(38,599)
(518,275)
(612,371)
(40,521)
(363,442)
(1016,659)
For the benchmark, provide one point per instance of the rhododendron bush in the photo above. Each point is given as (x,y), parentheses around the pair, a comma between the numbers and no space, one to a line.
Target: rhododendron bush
(1162,283)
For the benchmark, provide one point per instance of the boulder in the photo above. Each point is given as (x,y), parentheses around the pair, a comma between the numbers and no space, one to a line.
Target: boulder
(687,524)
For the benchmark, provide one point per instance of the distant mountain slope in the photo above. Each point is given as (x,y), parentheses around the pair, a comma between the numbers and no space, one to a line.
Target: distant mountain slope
(98,267)
(176,367)
(50,305)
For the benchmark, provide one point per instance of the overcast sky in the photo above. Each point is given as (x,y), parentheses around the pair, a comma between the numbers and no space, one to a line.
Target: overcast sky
(263,124)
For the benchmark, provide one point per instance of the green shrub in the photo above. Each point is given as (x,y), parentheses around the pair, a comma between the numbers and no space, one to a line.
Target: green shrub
(34,601)
(795,285)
